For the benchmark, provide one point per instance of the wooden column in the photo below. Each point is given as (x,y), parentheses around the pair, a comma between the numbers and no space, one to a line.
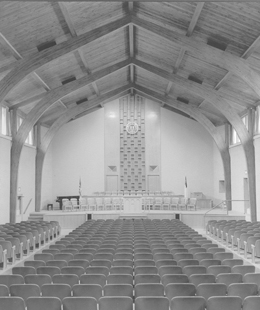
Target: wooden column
(44,143)
(39,159)
(207,124)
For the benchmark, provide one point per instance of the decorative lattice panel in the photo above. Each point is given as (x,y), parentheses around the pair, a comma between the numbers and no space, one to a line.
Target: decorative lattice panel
(132,143)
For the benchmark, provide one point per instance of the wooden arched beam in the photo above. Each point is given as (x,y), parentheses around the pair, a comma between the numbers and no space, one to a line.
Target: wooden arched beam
(34,115)
(224,107)
(223,59)
(91,106)
(29,64)
(226,60)
(196,114)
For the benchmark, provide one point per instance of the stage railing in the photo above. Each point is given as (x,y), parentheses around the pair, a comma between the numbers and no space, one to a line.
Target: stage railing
(223,205)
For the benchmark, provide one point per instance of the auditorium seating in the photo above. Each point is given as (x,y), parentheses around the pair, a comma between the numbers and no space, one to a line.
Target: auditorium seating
(133,262)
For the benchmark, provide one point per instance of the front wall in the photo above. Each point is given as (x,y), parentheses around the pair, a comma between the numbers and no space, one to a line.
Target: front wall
(78,152)
(186,150)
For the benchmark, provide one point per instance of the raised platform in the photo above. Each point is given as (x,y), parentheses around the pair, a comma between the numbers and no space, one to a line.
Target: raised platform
(195,219)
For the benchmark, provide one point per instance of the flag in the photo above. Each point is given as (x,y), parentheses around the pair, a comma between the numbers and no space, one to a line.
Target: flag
(186,194)
(80,187)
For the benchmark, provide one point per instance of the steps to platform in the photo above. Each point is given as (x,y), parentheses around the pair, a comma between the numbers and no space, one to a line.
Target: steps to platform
(36,216)
(132,216)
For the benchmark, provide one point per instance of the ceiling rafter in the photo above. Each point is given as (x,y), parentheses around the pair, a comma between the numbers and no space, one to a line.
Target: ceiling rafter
(192,87)
(27,65)
(190,30)
(131,43)
(18,56)
(250,50)
(209,54)
(73,33)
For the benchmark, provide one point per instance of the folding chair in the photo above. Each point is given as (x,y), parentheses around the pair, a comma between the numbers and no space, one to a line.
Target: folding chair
(174,278)
(224,302)
(216,270)
(23,270)
(243,269)
(121,279)
(9,279)
(4,290)
(12,303)
(191,270)
(149,289)
(78,270)
(57,263)
(122,270)
(208,290)
(188,302)
(25,291)
(210,262)
(70,279)
(42,303)
(146,270)
(179,289)
(151,303)
(232,262)
(251,303)
(93,279)
(169,270)
(87,290)
(50,270)
(242,290)
(38,279)
(101,262)
(118,290)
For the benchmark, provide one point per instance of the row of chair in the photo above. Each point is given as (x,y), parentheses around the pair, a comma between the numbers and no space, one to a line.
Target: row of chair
(17,240)
(156,239)
(241,235)
(116,203)
(171,290)
(126,303)
(133,192)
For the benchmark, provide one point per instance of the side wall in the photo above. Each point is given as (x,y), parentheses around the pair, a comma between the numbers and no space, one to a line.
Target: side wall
(186,150)
(78,152)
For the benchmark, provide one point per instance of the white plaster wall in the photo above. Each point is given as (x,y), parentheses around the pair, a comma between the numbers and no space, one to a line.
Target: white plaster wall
(238,173)
(26,179)
(78,151)
(186,150)
(5,147)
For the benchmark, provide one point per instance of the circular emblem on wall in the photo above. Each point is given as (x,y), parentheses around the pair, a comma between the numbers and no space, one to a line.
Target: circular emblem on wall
(132,128)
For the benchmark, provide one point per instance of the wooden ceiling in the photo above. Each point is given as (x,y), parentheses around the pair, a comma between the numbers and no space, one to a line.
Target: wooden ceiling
(179,53)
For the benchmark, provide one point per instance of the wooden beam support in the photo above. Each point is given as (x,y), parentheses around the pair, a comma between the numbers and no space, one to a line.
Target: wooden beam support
(27,65)
(195,18)
(246,54)
(67,18)
(131,40)
(63,119)
(27,101)
(209,54)
(224,107)
(34,115)
(192,25)
(196,114)
(18,56)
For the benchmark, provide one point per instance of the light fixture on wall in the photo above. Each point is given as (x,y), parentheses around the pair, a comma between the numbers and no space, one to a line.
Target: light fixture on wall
(112,115)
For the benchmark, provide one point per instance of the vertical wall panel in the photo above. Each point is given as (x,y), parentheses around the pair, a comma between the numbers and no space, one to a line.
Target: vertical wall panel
(132,144)
(112,145)
(153,144)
